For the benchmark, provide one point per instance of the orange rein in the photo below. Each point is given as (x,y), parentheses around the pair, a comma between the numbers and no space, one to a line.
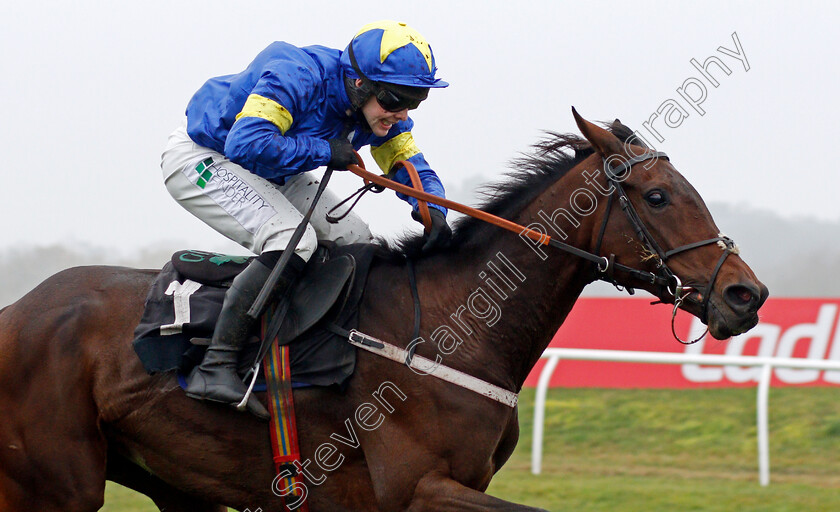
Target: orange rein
(423,198)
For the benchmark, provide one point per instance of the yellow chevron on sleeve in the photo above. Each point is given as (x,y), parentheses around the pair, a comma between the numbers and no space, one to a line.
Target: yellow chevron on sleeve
(268,109)
(401,147)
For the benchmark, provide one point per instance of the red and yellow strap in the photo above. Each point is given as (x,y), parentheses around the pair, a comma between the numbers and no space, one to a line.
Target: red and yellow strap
(282,425)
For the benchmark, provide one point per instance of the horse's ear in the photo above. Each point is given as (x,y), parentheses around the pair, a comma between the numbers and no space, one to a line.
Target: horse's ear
(604,142)
(617,126)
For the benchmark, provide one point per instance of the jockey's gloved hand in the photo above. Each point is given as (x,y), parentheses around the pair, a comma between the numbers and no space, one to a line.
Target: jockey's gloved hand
(342,154)
(440,233)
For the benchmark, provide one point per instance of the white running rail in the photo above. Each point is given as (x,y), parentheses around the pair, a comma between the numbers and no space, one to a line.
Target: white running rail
(554,355)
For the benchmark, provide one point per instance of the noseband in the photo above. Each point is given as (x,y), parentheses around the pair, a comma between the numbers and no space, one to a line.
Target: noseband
(664,277)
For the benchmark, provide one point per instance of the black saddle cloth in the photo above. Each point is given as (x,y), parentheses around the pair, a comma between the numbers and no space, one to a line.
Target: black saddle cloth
(165,339)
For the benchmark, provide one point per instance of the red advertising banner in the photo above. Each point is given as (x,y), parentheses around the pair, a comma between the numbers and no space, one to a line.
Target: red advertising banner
(805,328)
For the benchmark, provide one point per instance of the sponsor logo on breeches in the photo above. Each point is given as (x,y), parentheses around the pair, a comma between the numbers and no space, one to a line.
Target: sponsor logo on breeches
(228,183)
(235,195)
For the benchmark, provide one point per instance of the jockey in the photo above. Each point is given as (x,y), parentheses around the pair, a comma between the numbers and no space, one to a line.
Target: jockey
(240,162)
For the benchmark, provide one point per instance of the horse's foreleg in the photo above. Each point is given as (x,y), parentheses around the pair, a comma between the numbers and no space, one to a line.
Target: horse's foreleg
(439,493)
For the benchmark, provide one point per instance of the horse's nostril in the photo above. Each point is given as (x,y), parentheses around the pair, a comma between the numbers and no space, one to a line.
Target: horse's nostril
(744,295)
(740,296)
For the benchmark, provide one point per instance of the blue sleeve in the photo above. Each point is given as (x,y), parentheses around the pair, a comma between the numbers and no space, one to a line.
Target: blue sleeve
(256,140)
(257,145)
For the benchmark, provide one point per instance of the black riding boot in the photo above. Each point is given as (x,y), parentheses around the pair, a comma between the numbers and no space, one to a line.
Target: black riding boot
(216,378)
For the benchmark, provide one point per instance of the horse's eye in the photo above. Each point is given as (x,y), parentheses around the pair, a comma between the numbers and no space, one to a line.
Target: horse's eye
(656,198)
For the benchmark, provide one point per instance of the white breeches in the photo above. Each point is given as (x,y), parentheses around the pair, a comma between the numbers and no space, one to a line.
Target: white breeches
(252,211)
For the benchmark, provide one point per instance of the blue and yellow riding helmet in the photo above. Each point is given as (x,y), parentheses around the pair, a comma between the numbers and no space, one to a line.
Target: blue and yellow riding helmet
(391,56)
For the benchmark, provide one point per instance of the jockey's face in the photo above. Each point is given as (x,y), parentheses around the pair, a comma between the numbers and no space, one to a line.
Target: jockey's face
(379,119)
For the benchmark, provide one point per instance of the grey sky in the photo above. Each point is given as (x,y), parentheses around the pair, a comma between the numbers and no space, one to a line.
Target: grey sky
(90,91)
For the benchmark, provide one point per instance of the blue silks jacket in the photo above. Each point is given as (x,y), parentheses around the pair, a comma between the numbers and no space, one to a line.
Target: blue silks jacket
(275,118)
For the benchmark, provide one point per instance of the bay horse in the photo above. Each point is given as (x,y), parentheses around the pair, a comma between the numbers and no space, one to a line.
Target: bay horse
(78,408)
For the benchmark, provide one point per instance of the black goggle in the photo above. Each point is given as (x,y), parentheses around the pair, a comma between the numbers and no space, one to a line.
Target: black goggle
(393,102)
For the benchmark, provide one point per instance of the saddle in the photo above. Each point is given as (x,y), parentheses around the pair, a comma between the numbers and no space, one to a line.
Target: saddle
(186,298)
(324,284)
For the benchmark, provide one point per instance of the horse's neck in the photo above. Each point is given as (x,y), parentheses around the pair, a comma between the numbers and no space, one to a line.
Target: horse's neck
(503,300)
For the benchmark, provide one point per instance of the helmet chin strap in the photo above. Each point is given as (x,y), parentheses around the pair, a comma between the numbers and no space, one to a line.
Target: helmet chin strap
(358,95)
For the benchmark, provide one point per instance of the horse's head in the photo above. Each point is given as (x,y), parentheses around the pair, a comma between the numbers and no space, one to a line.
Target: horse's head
(658,223)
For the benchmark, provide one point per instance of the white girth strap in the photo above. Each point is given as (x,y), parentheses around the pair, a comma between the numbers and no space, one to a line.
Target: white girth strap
(429,367)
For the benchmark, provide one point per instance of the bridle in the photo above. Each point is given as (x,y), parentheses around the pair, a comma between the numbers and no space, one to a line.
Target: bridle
(605,266)
(664,277)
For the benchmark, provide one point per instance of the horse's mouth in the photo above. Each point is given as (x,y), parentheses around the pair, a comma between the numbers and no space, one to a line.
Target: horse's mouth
(722,320)
(724,323)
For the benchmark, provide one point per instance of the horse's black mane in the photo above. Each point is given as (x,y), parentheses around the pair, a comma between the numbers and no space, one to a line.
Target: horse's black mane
(551,158)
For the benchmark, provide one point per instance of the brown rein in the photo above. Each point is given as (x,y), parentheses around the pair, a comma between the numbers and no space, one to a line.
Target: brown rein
(605,266)
(424,197)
